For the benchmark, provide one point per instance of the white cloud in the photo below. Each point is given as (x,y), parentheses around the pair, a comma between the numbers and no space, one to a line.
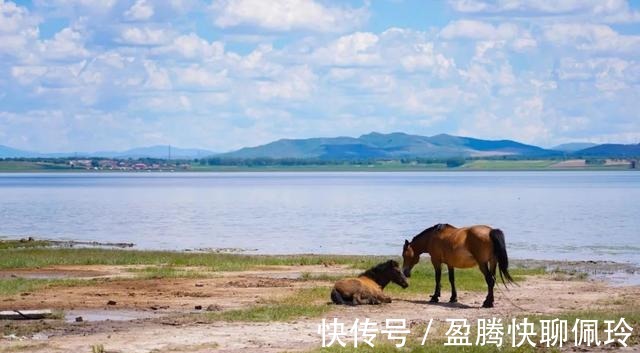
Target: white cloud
(18,29)
(519,39)
(191,46)
(294,84)
(594,37)
(68,44)
(425,57)
(144,36)
(524,123)
(140,10)
(608,74)
(613,11)
(195,75)
(358,48)
(157,77)
(27,74)
(434,101)
(286,15)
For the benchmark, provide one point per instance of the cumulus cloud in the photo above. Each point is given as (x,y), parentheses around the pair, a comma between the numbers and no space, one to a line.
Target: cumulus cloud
(18,29)
(598,10)
(354,49)
(144,36)
(192,47)
(592,37)
(518,38)
(295,83)
(141,10)
(142,71)
(286,15)
(200,77)
(68,44)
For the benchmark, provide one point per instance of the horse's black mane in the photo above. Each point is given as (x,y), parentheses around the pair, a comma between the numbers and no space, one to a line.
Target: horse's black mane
(378,269)
(438,226)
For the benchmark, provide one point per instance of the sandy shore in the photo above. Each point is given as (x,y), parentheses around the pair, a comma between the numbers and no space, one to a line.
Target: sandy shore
(149,314)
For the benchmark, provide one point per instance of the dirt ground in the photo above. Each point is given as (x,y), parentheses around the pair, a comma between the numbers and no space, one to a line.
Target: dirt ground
(142,320)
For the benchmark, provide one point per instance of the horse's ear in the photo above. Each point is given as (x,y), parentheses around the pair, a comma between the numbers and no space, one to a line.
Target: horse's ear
(406,243)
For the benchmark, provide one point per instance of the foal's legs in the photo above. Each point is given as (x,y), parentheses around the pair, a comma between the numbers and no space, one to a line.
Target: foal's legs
(436,294)
(489,278)
(452,280)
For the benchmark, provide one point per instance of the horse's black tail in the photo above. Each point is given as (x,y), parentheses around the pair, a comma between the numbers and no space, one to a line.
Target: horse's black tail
(500,252)
(336,298)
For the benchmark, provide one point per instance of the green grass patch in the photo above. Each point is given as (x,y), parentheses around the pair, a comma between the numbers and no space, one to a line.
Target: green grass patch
(488,164)
(11,286)
(158,272)
(23,243)
(310,302)
(423,280)
(42,257)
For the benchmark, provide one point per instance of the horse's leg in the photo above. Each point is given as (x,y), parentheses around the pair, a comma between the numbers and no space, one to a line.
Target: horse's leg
(438,268)
(384,298)
(357,299)
(452,280)
(492,266)
(488,277)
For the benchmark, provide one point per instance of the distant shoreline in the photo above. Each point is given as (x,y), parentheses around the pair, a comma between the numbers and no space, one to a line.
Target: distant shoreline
(308,169)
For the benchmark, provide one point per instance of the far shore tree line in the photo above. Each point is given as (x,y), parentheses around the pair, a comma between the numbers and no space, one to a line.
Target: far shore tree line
(222,161)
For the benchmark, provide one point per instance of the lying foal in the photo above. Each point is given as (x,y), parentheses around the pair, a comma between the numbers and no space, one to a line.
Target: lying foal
(367,287)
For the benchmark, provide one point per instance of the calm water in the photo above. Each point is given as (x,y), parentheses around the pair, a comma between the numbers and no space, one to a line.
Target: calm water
(545,215)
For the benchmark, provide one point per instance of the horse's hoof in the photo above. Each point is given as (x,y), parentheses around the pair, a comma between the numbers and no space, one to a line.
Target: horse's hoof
(453,300)
(487,305)
(434,300)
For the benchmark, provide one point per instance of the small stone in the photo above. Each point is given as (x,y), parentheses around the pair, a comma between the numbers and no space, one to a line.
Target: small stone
(199,284)
(214,307)
(112,302)
(79,319)
(198,307)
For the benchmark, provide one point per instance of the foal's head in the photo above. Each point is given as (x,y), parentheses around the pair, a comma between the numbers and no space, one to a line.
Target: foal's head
(386,272)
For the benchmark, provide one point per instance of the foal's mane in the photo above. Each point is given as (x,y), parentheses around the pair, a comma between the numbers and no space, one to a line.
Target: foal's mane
(377,270)
(435,227)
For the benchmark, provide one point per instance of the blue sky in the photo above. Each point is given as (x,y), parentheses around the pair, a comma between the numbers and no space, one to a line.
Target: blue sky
(85,75)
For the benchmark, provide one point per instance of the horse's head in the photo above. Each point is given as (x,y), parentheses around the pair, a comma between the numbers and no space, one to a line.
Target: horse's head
(409,258)
(395,273)
(411,250)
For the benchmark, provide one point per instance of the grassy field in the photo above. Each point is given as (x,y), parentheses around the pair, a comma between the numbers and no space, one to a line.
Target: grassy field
(305,297)
(33,257)
(167,264)
(508,165)
(25,166)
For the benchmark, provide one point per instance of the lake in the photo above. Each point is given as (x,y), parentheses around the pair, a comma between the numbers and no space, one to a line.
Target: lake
(554,215)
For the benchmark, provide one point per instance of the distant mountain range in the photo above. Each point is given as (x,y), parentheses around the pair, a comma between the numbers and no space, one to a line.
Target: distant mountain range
(159,151)
(370,146)
(394,145)
(611,149)
(573,146)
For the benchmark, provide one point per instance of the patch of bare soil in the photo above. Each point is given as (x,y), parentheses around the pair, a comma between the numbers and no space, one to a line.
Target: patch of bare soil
(537,295)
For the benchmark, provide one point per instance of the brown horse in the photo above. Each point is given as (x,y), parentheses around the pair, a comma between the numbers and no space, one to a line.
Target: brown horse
(463,248)
(367,287)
